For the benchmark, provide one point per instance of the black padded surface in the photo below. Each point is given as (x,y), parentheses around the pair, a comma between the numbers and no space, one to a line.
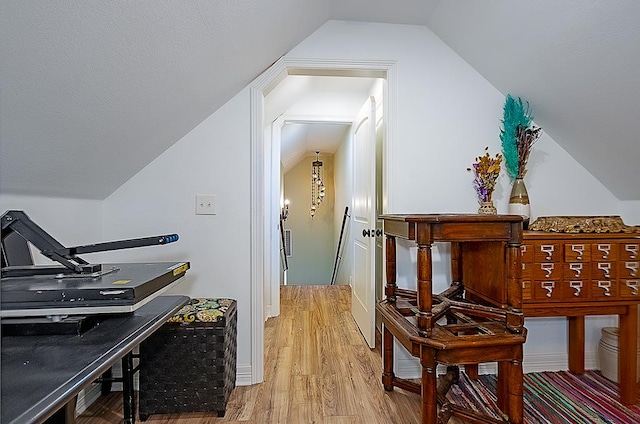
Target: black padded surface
(41,373)
(127,285)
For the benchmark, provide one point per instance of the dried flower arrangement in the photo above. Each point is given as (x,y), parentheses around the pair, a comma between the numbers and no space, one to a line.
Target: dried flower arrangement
(486,170)
(518,136)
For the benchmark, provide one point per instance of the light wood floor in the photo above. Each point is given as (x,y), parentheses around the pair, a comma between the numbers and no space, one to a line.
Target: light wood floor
(318,369)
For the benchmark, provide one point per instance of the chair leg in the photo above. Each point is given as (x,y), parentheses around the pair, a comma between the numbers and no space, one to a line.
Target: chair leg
(502,386)
(516,389)
(387,358)
(429,386)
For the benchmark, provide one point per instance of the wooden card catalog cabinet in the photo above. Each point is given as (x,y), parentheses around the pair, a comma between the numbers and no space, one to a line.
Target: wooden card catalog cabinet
(574,275)
(580,267)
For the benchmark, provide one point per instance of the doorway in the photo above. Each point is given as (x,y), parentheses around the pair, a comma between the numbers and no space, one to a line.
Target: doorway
(313,188)
(265,206)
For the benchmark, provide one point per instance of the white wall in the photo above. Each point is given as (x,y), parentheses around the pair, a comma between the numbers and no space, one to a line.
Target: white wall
(343,174)
(72,222)
(630,212)
(446,113)
(212,159)
(312,247)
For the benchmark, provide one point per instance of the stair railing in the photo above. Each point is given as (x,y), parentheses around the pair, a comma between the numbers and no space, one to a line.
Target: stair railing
(336,263)
(283,252)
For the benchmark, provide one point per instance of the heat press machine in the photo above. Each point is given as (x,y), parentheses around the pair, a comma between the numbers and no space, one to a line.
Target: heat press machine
(72,286)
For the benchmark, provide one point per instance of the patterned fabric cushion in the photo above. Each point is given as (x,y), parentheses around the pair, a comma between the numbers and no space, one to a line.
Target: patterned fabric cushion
(202,310)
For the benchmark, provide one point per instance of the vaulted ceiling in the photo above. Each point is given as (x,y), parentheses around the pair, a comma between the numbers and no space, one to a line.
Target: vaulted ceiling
(83,82)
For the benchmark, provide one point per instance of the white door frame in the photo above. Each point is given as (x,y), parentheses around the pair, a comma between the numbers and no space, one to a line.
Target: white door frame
(261,234)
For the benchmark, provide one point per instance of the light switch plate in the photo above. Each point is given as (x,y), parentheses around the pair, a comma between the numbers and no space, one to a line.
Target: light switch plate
(205,204)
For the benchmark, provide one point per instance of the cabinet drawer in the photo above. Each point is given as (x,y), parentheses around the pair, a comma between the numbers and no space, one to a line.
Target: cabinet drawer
(628,269)
(527,271)
(547,251)
(577,252)
(575,289)
(526,251)
(576,271)
(604,251)
(527,290)
(629,251)
(547,271)
(603,270)
(547,291)
(603,289)
(629,288)
(556,291)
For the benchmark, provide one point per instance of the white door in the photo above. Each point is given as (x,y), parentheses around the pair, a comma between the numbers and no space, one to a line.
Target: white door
(364,221)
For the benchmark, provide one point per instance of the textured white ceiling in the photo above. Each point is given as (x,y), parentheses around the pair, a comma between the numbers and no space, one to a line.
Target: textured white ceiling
(83,82)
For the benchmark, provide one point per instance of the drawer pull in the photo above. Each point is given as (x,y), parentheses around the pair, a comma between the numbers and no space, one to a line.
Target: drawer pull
(605,267)
(523,249)
(577,286)
(577,268)
(548,268)
(548,249)
(633,285)
(633,267)
(632,249)
(548,286)
(579,249)
(605,249)
(606,286)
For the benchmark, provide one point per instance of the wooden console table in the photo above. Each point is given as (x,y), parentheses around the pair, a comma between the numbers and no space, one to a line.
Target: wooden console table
(486,268)
(575,275)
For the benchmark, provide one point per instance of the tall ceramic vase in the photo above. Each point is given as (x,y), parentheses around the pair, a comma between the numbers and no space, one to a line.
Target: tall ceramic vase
(519,201)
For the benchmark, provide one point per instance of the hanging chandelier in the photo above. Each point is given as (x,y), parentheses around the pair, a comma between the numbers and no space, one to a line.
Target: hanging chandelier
(317,186)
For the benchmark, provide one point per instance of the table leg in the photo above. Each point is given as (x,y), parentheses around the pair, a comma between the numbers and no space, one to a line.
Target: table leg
(128,395)
(390,289)
(424,292)
(387,359)
(576,344)
(429,386)
(502,386)
(515,386)
(627,358)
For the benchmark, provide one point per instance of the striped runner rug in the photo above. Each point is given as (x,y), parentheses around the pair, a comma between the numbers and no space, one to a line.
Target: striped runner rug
(552,398)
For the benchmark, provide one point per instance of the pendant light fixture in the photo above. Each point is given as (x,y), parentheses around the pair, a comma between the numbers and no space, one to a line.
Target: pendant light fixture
(317,186)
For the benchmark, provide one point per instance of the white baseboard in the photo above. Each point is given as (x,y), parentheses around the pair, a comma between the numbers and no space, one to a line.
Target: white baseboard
(557,361)
(87,396)
(243,375)
(410,367)
(404,368)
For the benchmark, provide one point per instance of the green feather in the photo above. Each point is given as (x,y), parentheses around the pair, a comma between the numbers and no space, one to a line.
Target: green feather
(515,114)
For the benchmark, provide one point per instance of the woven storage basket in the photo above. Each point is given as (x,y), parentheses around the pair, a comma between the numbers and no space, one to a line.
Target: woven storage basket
(189,364)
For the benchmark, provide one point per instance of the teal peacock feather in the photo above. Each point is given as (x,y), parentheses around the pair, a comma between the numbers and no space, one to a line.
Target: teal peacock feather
(516,115)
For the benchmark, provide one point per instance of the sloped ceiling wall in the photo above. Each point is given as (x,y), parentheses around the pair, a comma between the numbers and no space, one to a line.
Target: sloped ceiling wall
(576,62)
(93,92)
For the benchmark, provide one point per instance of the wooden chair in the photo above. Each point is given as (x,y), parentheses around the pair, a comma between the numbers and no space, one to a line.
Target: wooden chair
(478,319)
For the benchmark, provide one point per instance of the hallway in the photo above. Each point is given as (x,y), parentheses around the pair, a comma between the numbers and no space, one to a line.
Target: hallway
(318,369)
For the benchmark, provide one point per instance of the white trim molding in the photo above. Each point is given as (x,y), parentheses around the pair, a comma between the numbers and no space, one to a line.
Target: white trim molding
(261,248)
(553,362)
